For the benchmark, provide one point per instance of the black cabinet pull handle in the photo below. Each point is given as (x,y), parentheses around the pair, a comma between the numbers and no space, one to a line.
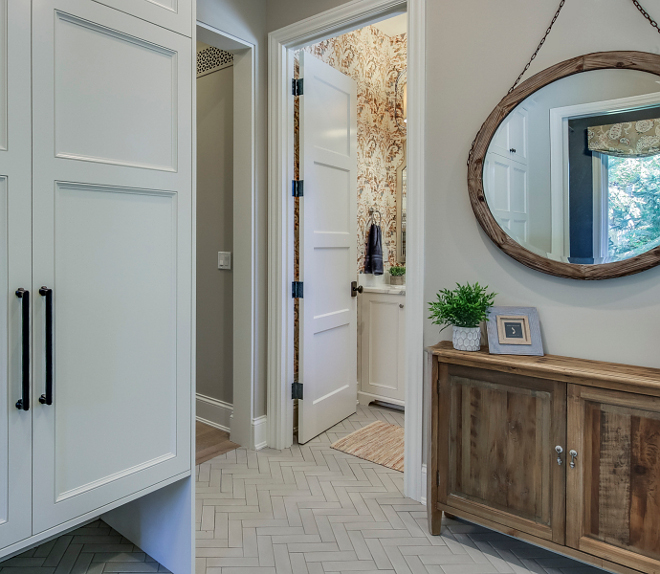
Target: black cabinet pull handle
(47,398)
(24,402)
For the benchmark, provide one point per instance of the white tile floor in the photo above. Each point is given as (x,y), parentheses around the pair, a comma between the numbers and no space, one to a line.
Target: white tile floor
(314,510)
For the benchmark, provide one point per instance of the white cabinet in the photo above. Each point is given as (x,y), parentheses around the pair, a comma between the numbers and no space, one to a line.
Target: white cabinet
(172,14)
(381,351)
(105,181)
(15,269)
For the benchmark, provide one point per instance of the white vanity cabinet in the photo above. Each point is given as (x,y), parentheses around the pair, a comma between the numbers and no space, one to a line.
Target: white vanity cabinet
(381,350)
(95,268)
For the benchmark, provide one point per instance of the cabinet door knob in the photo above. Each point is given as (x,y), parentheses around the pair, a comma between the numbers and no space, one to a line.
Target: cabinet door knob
(559,451)
(400,305)
(513,150)
(574,455)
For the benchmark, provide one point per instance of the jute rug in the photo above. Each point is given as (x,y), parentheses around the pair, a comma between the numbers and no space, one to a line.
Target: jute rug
(378,442)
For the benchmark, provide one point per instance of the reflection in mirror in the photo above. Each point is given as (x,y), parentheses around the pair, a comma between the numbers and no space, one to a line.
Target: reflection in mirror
(573,173)
(402,185)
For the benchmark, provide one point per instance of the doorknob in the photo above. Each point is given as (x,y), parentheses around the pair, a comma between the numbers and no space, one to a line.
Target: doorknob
(559,451)
(355,289)
(574,455)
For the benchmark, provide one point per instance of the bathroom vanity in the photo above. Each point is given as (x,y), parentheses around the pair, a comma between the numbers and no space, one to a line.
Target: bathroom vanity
(561,452)
(381,344)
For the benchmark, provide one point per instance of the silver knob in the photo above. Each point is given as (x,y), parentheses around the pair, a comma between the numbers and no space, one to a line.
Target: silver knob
(559,451)
(574,455)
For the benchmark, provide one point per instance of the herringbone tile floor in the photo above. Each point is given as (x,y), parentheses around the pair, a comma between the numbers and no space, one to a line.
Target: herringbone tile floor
(313,510)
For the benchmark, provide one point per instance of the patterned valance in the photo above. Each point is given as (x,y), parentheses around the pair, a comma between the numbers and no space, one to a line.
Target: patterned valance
(626,139)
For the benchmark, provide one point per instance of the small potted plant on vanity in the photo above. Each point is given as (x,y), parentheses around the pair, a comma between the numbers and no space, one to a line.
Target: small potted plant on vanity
(397,275)
(465,308)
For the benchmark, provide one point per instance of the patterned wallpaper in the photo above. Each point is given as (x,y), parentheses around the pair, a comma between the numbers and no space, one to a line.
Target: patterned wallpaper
(374,60)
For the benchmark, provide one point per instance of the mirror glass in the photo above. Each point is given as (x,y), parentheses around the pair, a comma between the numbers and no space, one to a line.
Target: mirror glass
(573,172)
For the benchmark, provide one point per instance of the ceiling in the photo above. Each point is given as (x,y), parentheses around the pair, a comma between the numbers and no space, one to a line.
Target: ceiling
(393,26)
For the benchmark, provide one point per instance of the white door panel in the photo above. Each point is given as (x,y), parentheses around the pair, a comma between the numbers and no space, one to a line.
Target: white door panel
(112,238)
(328,232)
(508,196)
(15,268)
(172,14)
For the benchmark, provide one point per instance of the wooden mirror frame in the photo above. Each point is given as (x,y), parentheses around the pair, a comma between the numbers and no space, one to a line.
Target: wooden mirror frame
(640,61)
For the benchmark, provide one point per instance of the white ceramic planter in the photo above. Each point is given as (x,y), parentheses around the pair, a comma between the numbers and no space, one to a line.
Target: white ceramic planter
(397,279)
(467,338)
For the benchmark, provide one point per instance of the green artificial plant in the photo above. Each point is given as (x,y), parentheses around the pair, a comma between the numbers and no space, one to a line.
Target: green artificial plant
(466,306)
(397,270)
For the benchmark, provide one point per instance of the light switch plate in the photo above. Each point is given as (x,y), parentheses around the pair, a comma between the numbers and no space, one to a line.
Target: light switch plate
(224,260)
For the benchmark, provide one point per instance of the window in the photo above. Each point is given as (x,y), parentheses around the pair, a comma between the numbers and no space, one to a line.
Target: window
(629,205)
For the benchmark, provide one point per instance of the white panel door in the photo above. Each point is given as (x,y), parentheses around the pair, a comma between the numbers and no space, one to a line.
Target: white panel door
(382,348)
(328,243)
(510,139)
(507,193)
(172,14)
(15,269)
(112,239)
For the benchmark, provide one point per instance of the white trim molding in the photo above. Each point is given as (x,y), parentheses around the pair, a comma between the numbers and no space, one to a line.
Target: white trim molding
(214,413)
(260,432)
(349,16)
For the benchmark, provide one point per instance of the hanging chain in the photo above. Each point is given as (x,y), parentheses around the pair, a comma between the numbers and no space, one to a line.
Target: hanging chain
(538,49)
(646,15)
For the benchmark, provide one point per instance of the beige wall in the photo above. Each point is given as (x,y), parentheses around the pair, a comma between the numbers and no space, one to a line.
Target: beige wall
(246,19)
(475,50)
(215,117)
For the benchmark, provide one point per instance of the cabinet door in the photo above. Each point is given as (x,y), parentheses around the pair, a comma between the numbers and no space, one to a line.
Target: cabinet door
(112,238)
(499,453)
(613,491)
(382,342)
(172,14)
(15,268)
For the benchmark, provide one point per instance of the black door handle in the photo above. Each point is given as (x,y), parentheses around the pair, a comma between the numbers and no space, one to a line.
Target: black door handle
(355,289)
(24,402)
(47,398)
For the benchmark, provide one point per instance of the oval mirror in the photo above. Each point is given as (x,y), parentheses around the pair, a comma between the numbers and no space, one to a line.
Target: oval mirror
(564,176)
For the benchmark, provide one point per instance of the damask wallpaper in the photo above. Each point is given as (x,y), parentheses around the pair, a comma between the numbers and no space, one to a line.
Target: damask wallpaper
(374,60)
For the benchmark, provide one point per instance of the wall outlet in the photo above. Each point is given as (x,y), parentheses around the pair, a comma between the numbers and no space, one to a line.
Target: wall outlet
(224,260)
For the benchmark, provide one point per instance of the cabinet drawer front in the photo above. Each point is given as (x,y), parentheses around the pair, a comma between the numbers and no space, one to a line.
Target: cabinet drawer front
(503,430)
(613,492)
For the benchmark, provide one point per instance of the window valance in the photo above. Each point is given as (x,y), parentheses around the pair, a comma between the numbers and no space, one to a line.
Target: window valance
(626,139)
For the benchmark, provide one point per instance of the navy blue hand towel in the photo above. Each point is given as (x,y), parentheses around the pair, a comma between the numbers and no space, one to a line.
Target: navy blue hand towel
(373,262)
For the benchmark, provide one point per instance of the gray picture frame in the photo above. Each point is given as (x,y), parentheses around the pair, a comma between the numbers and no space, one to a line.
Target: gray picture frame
(494,345)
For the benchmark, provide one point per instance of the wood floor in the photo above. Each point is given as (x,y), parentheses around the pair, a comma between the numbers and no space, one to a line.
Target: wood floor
(211,442)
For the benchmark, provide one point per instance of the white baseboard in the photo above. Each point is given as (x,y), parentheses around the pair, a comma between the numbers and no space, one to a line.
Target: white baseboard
(422,498)
(214,412)
(259,432)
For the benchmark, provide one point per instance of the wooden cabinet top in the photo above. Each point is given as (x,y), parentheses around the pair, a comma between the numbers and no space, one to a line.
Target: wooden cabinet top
(580,371)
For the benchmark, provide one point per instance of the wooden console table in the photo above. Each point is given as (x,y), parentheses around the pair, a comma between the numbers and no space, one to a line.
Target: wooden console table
(561,452)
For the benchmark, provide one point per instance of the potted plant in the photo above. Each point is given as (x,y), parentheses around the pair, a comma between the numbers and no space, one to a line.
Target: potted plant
(465,308)
(397,274)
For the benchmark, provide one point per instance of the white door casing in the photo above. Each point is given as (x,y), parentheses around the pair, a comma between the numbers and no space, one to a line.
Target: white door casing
(328,247)
(15,268)
(112,238)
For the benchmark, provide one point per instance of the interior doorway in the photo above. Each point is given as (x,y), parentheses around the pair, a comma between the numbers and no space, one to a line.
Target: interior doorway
(349,231)
(225,206)
(284,43)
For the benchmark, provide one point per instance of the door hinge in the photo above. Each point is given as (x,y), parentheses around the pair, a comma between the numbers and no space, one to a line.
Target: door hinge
(297,290)
(297,87)
(297,391)
(297,187)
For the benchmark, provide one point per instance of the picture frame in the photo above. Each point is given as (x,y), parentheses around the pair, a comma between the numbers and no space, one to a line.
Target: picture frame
(514,331)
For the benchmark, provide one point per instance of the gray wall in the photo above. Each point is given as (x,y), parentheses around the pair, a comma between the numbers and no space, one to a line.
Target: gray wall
(215,107)
(475,50)
(246,19)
